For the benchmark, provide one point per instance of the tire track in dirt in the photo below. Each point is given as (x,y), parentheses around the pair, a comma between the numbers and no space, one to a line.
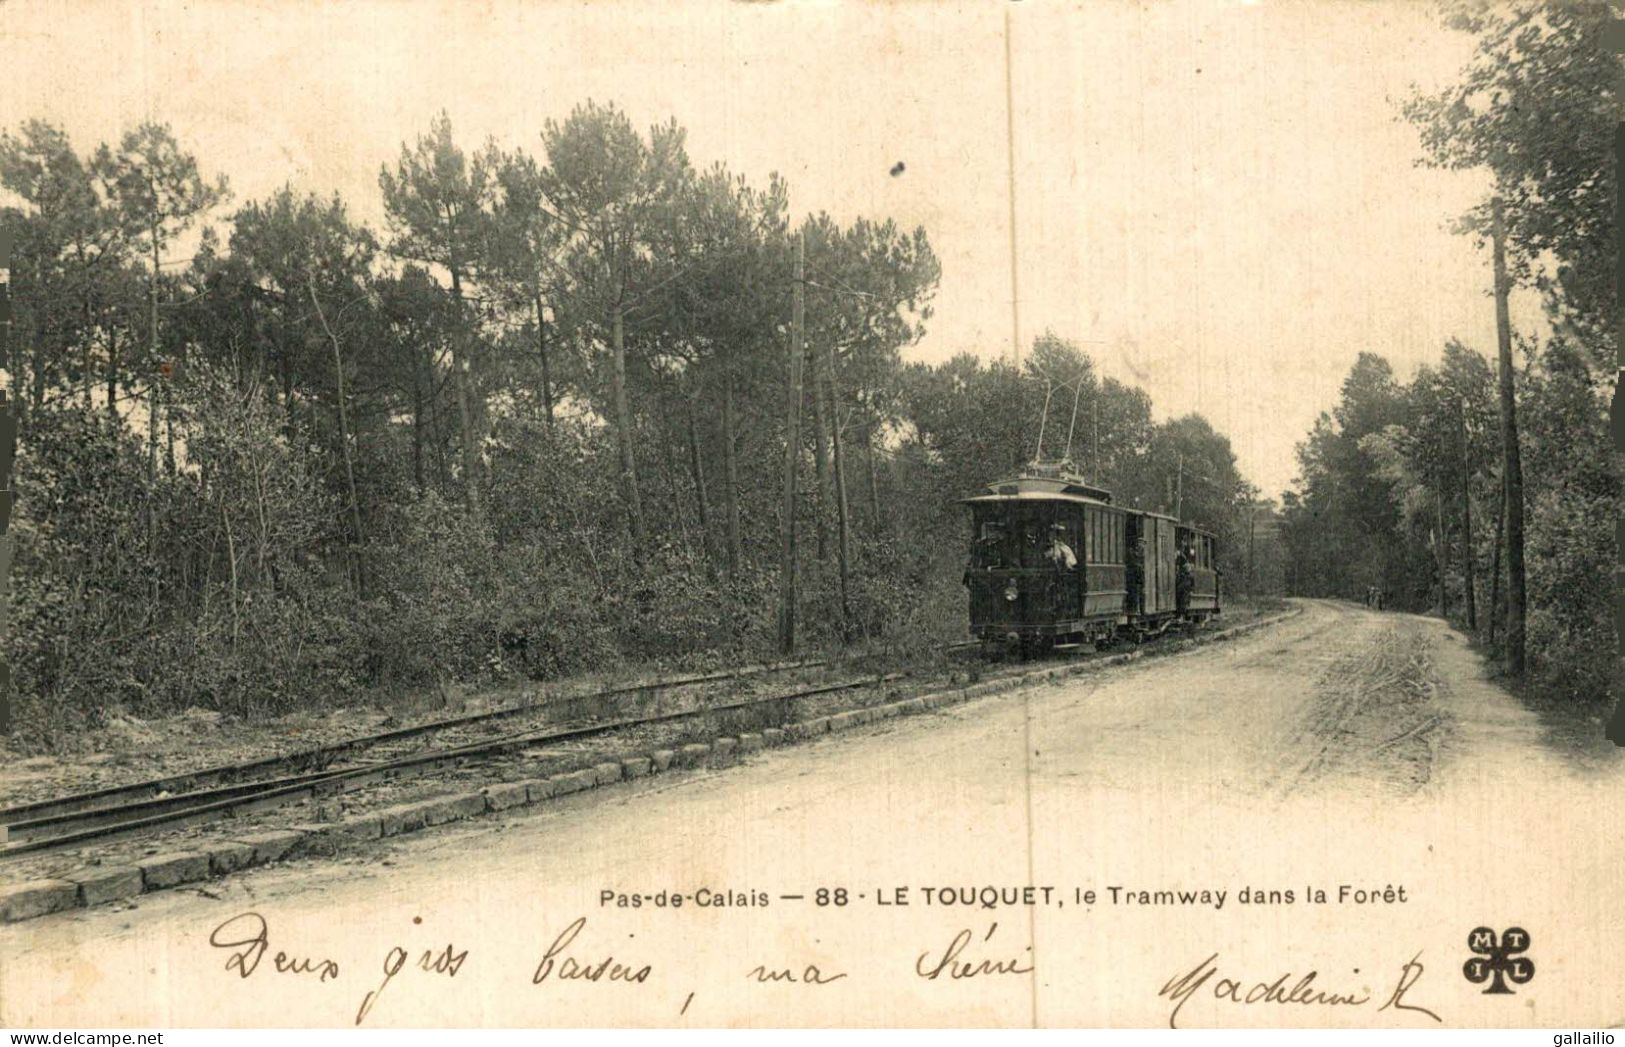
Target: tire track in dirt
(1288,642)
(1374,715)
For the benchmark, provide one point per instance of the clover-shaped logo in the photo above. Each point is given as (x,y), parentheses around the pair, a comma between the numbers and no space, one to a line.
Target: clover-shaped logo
(1498,958)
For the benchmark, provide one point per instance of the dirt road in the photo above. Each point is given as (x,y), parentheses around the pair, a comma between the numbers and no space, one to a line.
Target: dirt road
(1344,752)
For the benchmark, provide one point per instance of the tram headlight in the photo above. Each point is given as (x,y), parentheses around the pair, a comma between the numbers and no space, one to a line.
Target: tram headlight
(1011,592)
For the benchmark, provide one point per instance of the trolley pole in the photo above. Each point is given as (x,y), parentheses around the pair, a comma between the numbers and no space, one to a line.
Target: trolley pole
(792,456)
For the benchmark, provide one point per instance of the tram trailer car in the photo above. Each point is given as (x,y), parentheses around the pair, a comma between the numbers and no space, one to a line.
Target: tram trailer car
(1054,563)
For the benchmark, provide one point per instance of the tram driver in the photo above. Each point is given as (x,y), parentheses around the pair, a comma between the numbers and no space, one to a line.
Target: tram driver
(1060,553)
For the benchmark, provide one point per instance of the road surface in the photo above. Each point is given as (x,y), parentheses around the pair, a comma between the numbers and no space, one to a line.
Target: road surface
(1363,755)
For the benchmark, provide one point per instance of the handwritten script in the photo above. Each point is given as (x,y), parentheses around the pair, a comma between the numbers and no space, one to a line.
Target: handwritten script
(576,955)
(1305,990)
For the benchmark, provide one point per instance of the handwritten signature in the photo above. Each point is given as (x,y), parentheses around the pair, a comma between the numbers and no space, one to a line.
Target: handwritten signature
(1303,992)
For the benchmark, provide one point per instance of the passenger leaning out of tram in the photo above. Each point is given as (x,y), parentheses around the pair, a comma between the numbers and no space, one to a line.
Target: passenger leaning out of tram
(1184,578)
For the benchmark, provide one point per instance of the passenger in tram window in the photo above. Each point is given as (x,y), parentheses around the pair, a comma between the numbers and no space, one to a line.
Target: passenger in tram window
(1184,578)
(1060,553)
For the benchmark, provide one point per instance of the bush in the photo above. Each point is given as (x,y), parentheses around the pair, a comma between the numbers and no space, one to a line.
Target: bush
(80,575)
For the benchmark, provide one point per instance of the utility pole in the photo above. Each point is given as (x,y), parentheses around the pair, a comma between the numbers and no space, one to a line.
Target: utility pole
(1252,568)
(152,396)
(154,390)
(1010,158)
(844,524)
(1441,551)
(1513,471)
(1094,419)
(1179,490)
(8,437)
(1466,518)
(792,456)
(1495,557)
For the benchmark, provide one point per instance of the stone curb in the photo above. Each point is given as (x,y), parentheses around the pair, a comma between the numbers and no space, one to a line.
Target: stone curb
(98,885)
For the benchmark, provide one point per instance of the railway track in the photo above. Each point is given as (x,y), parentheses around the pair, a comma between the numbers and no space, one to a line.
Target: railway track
(219,792)
(72,822)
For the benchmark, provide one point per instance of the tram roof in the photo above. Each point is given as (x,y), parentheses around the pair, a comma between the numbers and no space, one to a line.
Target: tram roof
(1036,496)
(1045,481)
(1048,496)
(1053,482)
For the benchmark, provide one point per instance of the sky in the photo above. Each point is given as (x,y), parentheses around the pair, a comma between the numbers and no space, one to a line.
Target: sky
(1217,199)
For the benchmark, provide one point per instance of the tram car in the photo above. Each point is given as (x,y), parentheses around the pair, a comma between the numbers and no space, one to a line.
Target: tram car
(1055,564)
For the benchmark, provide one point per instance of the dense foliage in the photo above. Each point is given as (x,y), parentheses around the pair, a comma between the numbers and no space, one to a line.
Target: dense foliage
(1400,486)
(535,426)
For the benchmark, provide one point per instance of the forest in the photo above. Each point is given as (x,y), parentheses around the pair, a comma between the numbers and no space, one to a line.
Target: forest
(271,459)
(1417,487)
(538,423)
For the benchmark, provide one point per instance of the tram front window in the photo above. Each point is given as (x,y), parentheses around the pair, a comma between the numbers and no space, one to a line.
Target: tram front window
(991,549)
(1027,541)
(1035,540)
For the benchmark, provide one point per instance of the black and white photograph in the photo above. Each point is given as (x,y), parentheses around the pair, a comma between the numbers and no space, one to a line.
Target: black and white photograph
(526,514)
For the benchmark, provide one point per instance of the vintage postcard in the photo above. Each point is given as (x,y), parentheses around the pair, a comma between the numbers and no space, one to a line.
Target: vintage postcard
(810,514)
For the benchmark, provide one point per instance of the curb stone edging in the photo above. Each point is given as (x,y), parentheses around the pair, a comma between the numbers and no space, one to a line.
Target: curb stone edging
(24,901)
(97,885)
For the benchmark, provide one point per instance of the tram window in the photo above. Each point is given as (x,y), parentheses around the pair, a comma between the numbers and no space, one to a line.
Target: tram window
(1032,534)
(992,546)
(1065,529)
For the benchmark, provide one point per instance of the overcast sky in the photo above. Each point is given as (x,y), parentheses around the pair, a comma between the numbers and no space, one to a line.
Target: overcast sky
(1216,197)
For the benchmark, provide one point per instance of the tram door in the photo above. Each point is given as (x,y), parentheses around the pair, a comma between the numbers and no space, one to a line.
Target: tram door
(1151,566)
(1160,554)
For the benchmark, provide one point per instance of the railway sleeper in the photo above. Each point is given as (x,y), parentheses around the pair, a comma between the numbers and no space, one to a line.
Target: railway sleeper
(102,884)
